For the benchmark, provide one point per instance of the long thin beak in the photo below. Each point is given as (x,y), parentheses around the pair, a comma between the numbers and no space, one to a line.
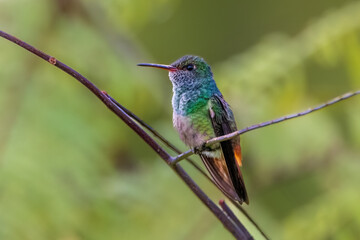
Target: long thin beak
(161,66)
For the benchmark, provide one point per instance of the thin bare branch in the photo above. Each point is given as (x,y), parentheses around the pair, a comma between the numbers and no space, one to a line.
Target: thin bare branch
(228,224)
(278,120)
(263,124)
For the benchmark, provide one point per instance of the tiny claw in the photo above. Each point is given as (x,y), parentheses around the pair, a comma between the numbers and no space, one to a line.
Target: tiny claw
(104,92)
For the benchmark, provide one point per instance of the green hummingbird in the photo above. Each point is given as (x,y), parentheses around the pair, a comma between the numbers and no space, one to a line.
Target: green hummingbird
(201,113)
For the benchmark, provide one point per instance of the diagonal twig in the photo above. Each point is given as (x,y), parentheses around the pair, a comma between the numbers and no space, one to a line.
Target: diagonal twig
(264,124)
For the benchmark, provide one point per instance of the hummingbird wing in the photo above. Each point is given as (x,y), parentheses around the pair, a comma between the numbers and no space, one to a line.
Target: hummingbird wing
(226,170)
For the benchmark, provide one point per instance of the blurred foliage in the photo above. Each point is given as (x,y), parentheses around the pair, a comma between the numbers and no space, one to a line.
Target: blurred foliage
(69,169)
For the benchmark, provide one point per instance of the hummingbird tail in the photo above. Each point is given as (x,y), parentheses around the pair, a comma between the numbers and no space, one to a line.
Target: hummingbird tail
(220,174)
(233,167)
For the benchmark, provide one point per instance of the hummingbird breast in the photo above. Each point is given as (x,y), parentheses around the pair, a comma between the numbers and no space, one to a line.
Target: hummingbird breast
(194,131)
(194,125)
(189,134)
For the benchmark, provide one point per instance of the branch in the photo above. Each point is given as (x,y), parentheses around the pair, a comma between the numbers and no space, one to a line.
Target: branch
(228,224)
(263,124)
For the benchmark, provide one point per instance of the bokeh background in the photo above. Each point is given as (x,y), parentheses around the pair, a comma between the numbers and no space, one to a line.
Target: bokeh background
(71,170)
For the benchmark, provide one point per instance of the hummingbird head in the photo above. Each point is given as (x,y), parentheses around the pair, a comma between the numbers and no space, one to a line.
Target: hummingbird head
(186,71)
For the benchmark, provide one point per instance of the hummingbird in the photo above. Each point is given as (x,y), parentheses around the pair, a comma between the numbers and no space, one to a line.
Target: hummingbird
(200,113)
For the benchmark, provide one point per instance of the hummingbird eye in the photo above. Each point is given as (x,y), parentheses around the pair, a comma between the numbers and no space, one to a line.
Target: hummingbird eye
(189,67)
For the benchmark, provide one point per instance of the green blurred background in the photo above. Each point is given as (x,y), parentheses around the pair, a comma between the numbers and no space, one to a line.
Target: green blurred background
(71,170)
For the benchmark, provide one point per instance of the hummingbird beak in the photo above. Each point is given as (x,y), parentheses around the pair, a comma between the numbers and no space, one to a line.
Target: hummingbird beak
(161,66)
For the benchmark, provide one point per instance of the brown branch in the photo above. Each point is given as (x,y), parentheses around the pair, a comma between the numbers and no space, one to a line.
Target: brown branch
(228,224)
(263,124)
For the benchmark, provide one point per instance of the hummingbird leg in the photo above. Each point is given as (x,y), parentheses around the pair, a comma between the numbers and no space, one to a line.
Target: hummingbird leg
(196,150)
(200,149)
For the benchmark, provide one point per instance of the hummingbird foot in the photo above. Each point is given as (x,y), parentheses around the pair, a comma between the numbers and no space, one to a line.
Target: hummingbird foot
(199,149)
(196,150)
